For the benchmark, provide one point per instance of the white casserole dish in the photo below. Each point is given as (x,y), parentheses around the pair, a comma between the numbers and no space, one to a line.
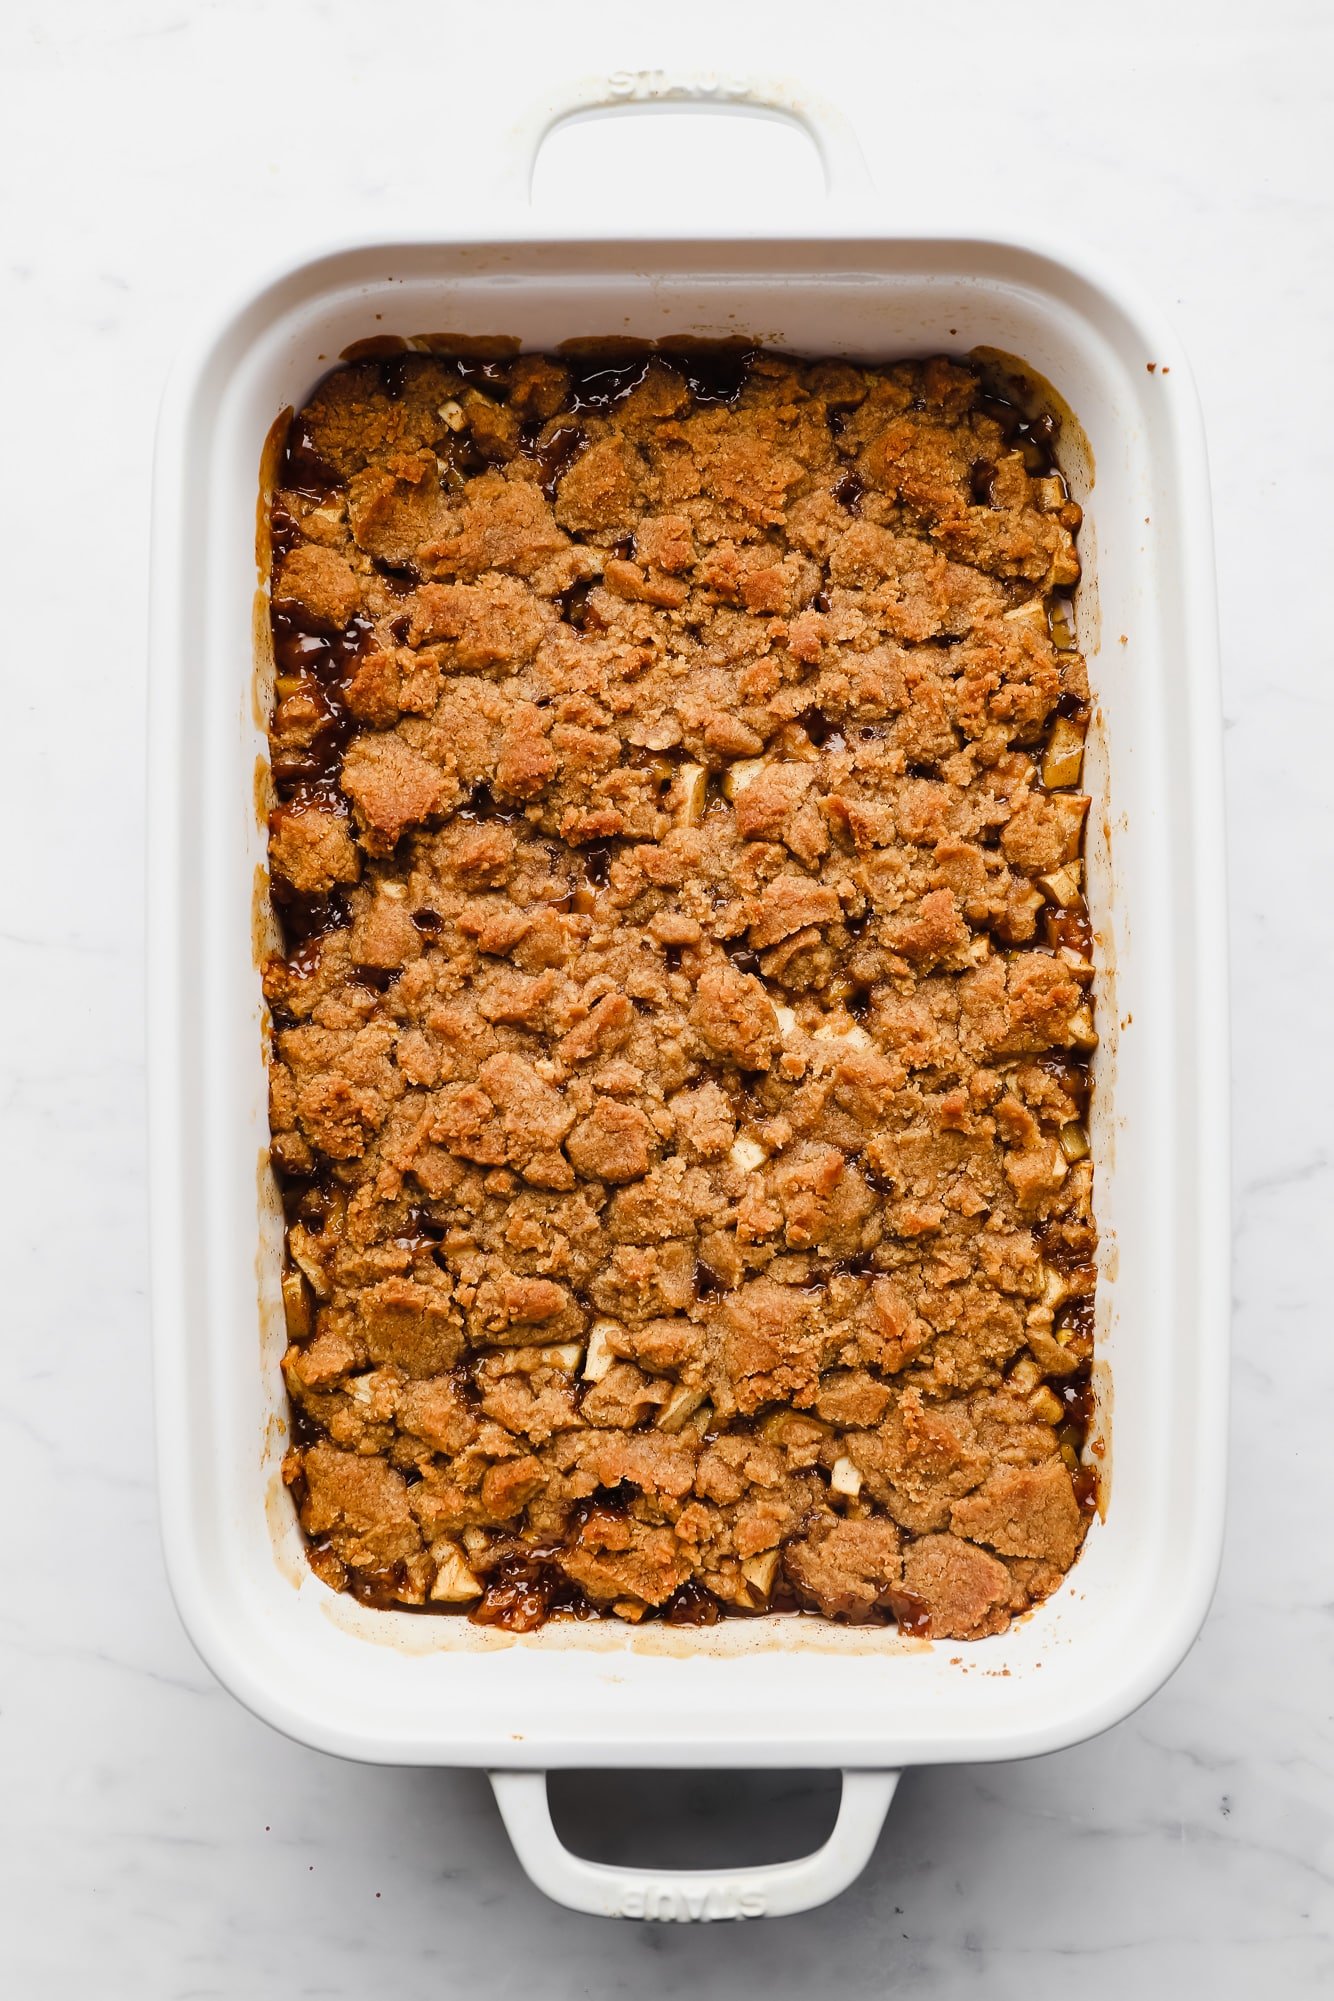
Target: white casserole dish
(397,1688)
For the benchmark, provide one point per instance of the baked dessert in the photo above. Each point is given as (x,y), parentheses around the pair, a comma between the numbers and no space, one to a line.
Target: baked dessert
(681,1033)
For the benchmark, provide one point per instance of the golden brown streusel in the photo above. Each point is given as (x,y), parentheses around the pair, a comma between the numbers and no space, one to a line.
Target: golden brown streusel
(680,1057)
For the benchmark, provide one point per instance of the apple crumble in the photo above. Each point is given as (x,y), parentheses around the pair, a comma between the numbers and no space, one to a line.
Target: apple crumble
(681,1033)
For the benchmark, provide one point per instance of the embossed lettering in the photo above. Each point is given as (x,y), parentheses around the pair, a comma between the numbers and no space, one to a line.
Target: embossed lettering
(626,85)
(665,1904)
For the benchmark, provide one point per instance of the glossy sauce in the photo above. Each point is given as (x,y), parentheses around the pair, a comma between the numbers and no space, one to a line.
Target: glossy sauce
(524,1591)
(692,1605)
(556,454)
(708,1285)
(911,1613)
(303,471)
(849,492)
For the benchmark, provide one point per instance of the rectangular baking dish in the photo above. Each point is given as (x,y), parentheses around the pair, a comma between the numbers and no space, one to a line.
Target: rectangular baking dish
(788,1691)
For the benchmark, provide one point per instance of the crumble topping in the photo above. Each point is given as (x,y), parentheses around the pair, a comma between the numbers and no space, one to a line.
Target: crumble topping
(679,1072)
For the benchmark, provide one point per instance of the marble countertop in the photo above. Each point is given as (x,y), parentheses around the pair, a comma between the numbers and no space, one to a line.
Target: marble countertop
(158,1843)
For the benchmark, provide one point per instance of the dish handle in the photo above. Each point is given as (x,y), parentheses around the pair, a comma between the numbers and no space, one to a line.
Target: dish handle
(688,1896)
(847,178)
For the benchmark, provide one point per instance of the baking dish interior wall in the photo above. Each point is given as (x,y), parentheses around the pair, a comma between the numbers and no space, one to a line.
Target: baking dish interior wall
(867,302)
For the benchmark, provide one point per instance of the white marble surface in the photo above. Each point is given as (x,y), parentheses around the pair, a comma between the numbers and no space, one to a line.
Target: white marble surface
(157,1842)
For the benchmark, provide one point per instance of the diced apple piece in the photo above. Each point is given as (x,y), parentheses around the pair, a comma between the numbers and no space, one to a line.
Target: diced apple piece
(564,1355)
(680,1406)
(787,1019)
(741,774)
(1061,625)
(296,1305)
(1033,609)
(1065,569)
(1064,755)
(848,1035)
(689,794)
(1046,1406)
(1074,1141)
(454,415)
(747,1154)
(1055,1287)
(759,1571)
(1050,1351)
(1083,1035)
(1070,808)
(1060,886)
(845,1479)
(600,1354)
(455,1582)
(304,1252)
